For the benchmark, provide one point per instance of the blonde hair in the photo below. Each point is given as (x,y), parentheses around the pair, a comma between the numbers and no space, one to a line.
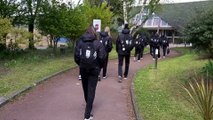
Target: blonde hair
(107,29)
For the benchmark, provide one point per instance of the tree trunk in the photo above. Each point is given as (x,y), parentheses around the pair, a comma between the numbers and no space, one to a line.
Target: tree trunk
(31,29)
(125,12)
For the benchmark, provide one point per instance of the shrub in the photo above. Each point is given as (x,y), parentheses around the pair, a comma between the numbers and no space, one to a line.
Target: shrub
(201,95)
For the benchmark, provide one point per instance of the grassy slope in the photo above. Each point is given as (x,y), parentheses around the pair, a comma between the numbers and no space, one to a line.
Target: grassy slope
(158,92)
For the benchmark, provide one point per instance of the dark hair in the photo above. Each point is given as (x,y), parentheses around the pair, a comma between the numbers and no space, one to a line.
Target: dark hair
(126,26)
(91,30)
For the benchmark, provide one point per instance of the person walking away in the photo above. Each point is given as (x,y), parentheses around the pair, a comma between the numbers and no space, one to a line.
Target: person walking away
(151,45)
(106,40)
(143,43)
(124,45)
(165,44)
(156,46)
(138,48)
(89,56)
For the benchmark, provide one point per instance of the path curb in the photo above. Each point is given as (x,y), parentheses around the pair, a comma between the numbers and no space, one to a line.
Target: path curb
(4,100)
(133,100)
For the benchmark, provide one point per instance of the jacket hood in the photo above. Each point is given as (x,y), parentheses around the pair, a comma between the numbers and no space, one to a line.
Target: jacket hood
(103,34)
(125,31)
(88,37)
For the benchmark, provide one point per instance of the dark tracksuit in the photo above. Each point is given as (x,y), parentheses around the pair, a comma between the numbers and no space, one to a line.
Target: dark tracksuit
(164,44)
(123,54)
(156,45)
(143,44)
(89,72)
(138,48)
(106,40)
(151,46)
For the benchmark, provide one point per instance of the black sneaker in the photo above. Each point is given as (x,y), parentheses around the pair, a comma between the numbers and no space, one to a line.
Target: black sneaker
(99,78)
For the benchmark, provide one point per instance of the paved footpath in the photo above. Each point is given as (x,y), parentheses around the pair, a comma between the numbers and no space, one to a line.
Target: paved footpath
(61,97)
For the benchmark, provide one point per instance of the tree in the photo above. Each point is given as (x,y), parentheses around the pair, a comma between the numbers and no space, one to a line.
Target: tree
(200,32)
(62,20)
(31,9)
(152,5)
(5,27)
(93,12)
(8,8)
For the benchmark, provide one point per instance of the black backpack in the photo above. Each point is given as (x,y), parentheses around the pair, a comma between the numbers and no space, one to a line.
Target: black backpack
(126,43)
(138,42)
(164,42)
(88,54)
(105,42)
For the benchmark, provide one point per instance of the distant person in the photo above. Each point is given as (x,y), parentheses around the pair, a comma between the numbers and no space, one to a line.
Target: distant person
(89,55)
(156,46)
(124,45)
(151,45)
(106,40)
(164,44)
(139,44)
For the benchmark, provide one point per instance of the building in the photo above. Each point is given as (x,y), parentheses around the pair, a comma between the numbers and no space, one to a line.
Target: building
(171,19)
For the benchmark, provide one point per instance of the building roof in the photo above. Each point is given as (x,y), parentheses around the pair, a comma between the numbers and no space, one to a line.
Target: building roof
(179,15)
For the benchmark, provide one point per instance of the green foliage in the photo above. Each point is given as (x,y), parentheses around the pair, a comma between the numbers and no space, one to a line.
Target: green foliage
(208,68)
(62,20)
(8,8)
(5,27)
(201,95)
(200,32)
(93,12)
(19,36)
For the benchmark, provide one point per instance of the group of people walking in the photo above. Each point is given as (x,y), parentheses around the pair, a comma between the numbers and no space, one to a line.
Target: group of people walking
(92,51)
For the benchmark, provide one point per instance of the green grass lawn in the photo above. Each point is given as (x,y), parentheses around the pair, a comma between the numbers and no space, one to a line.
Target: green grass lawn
(158,92)
(21,72)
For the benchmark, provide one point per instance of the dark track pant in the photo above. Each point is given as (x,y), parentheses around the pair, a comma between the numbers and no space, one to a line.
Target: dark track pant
(120,64)
(89,83)
(138,53)
(105,66)
(164,50)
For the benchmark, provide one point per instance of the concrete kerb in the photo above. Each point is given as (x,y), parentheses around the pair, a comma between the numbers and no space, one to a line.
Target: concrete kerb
(4,100)
(132,94)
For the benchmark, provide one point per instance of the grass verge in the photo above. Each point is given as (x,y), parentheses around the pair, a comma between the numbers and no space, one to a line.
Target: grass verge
(158,92)
(29,68)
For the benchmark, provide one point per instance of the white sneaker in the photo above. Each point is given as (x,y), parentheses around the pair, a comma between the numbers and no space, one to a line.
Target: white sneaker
(79,77)
(139,61)
(90,118)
